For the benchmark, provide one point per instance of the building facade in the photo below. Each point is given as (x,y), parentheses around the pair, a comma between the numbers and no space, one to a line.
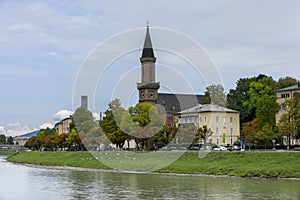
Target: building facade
(284,95)
(63,127)
(223,122)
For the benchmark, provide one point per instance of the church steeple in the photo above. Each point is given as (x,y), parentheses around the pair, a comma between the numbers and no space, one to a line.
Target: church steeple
(148,87)
(148,50)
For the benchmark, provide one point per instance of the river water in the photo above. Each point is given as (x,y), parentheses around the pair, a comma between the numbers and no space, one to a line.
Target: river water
(30,183)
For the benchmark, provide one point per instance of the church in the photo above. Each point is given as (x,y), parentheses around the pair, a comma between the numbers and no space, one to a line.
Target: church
(186,108)
(148,88)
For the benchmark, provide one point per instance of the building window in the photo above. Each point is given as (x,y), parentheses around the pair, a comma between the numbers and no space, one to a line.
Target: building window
(224,119)
(217,141)
(205,119)
(283,107)
(217,129)
(231,130)
(217,119)
(286,95)
(176,121)
(200,119)
(231,119)
(185,120)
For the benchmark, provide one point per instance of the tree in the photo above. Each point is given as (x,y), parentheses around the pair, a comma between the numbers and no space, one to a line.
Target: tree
(83,120)
(287,129)
(50,142)
(249,131)
(143,122)
(73,141)
(215,94)
(236,98)
(10,140)
(263,99)
(204,133)
(265,135)
(34,143)
(187,134)
(110,124)
(2,139)
(286,82)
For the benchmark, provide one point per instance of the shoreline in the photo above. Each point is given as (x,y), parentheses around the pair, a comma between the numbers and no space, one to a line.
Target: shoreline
(280,166)
(82,169)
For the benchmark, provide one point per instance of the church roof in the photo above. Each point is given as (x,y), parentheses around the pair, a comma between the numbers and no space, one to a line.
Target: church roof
(174,103)
(207,108)
(148,50)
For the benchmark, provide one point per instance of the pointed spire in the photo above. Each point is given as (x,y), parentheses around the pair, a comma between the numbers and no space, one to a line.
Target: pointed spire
(147,50)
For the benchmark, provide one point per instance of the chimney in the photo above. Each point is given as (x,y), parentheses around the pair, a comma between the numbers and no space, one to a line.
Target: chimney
(84,102)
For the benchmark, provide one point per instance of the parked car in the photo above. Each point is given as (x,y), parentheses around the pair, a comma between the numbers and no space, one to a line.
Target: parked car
(206,148)
(220,148)
(194,148)
(172,148)
(182,148)
(234,148)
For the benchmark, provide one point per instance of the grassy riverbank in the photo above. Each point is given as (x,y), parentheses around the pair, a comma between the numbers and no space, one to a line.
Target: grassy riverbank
(7,152)
(244,164)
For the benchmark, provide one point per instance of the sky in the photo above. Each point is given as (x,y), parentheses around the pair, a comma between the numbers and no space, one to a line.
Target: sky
(45,46)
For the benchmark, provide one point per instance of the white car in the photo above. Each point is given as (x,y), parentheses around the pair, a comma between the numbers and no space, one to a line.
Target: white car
(220,148)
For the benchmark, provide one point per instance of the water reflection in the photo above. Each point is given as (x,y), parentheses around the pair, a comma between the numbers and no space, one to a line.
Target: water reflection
(21,182)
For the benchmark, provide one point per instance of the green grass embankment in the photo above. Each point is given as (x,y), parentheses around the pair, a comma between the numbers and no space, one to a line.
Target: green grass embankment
(244,164)
(7,152)
(50,158)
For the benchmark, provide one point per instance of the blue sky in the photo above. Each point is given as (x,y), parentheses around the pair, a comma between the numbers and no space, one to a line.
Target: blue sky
(43,45)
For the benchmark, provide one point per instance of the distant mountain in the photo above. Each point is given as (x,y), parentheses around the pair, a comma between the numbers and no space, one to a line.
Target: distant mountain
(30,134)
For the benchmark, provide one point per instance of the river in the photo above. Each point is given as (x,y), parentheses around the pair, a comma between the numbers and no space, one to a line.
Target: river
(31,183)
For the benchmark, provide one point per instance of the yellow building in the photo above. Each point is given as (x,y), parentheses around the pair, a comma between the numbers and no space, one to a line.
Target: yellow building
(283,95)
(63,126)
(223,122)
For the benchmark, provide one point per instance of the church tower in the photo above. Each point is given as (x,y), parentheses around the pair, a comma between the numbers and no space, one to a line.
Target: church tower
(148,87)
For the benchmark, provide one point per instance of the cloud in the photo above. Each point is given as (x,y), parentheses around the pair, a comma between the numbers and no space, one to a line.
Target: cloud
(15,128)
(46,125)
(62,114)
(2,130)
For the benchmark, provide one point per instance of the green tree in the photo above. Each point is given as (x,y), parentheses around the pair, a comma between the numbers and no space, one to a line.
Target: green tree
(34,143)
(83,120)
(143,122)
(61,141)
(286,82)
(287,129)
(263,99)
(236,98)
(10,140)
(187,134)
(110,124)
(50,141)
(215,94)
(2,139)
(73,141)
(265,135)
